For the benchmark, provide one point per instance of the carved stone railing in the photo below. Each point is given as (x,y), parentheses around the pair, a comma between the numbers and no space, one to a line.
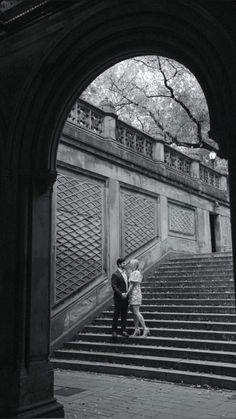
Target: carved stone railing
(134,140)
(177,160)
(104,122)
(209,176)
(87,116)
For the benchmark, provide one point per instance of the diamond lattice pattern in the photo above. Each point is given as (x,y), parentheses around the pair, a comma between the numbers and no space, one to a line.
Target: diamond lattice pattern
(79,234)
(181,220)
(139,221)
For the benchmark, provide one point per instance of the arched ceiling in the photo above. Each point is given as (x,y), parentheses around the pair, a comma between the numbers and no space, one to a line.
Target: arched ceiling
(94,35)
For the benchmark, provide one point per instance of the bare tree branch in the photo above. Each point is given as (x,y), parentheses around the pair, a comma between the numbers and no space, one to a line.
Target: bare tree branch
(182,104)
(151,92)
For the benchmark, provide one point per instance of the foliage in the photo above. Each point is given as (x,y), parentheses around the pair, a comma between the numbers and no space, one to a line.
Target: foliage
(159,96)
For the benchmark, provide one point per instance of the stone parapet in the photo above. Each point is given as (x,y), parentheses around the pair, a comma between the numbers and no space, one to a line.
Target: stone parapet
(105,123)
(176,169)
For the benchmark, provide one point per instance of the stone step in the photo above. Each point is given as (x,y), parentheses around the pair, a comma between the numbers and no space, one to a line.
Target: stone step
(183,285)
(175,324)
(162,351)
(194,276)
(177,376)
(183,282)
(180,342)
(203,257)
(195,269)
(199,259)
(187,308)
(190,301)
(209,367)
(198,263)
(202,260)
(187,289)
(187,267)
(199,294)
(208,317)
(171,332)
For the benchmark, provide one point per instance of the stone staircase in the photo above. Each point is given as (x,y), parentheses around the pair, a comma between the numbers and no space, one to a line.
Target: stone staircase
(189,306)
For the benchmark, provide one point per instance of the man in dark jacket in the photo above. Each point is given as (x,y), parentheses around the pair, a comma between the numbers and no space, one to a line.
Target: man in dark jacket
(119,282)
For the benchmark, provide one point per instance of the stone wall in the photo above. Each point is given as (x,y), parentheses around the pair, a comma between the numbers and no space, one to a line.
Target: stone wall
(120,192)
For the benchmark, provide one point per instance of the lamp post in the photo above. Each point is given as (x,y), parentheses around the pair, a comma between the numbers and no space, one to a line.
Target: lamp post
(212,156)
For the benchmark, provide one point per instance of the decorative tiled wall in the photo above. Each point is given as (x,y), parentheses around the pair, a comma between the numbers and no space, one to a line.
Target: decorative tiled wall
(79,233)
(181,220)
(139,220)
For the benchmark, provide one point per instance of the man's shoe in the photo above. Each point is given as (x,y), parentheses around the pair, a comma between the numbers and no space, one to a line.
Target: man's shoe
(114,334)
(125,334)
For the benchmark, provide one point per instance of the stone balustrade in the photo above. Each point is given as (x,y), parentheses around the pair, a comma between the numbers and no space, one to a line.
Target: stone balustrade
(134,140)
(177,160)
(105,122)
(87,116)
(209,176)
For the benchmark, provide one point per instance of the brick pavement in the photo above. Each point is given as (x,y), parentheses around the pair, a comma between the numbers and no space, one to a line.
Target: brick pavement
(92,396)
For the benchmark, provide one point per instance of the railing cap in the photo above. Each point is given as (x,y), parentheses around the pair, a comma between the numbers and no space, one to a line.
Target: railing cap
(107,106)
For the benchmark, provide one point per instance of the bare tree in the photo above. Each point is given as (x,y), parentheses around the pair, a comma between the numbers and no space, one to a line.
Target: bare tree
(159,96)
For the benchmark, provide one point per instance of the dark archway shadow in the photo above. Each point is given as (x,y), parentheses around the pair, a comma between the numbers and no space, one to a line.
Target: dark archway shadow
(104,36)
(122,32)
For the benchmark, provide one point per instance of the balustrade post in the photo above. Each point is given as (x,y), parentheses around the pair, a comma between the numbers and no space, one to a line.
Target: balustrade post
(223,183)
(158,150)
(109,123)
(195,169)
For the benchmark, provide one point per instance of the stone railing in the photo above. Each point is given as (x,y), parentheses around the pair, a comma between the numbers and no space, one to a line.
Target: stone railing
(210,176)
(87,116)
(105,123)
(134,140)
(177,160)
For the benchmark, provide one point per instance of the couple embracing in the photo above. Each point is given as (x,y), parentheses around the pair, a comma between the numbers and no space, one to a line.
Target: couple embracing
(126,284)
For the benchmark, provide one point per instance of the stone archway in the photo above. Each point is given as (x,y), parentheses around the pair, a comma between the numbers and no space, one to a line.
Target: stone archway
(96,38)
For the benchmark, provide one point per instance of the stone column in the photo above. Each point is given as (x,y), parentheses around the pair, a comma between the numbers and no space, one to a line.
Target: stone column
(163,218)
(158,150)
(114,245)
(11,285)
(232,188)
(53,244)
(203,231)
(195,169)
(109,127)
(26,373)
(224,182)
(218,234)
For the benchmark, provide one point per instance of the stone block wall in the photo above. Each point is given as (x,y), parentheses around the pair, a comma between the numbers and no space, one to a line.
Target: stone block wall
(113,199)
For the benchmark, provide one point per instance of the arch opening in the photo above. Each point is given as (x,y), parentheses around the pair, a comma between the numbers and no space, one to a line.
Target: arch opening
(81,176)
(76,56)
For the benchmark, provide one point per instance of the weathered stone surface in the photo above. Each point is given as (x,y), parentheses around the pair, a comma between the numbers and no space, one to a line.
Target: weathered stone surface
(48,55)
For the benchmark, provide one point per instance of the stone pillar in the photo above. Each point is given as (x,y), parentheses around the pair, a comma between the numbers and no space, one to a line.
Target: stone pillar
(163,218)
(53,244)
(218,234)
(224,183)
(109,127)
(232,188)
(203,231)
(158,150)
(26,373)
(114,244)
(195,169)
(10,290)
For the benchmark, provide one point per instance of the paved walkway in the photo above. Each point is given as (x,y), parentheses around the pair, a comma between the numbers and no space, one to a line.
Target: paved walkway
(92,396)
